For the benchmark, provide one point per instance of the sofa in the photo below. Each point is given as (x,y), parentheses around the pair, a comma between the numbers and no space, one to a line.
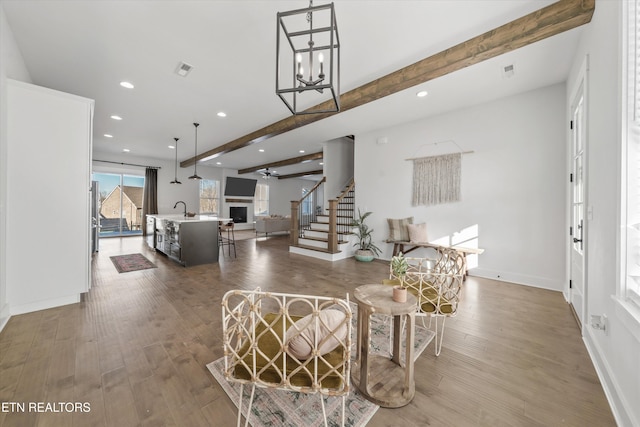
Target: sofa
(272,224)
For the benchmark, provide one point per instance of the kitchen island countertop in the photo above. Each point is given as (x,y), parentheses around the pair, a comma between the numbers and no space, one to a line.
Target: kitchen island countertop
(181,218)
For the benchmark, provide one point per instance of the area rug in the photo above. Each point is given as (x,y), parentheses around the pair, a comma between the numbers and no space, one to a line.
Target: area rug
(131,262)
(273,408)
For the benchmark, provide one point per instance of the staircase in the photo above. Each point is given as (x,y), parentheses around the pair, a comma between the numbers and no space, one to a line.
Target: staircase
(325,236)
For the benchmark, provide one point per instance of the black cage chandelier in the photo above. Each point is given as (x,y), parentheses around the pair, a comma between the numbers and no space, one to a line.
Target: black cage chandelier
(308,60)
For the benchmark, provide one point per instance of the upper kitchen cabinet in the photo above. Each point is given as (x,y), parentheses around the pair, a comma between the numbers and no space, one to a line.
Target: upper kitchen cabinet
(49,136)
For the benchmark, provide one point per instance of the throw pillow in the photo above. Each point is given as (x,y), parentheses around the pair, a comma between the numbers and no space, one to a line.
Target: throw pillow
(398,229)
(417,233)
(300,337)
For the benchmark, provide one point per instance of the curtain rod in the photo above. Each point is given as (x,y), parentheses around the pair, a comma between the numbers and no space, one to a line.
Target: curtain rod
(449,141)
(127,164)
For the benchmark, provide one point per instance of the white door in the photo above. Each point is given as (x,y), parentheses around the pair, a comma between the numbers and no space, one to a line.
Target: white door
(577,230)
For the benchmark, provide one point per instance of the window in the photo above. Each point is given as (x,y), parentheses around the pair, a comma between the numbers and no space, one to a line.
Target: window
(209,196)
(307,203)
(119,208)
(261,200)
(630,237)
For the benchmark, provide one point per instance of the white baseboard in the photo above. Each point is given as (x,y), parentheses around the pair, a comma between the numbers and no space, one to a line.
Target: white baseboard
(320,255)
(520,279)
(5,315)
(617,401)
(43,305)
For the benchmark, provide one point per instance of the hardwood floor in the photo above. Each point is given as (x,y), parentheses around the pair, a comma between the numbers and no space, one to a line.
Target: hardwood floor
(136,348)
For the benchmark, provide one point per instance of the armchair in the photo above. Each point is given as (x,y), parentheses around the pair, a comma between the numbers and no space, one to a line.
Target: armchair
(436,283)
(288,342)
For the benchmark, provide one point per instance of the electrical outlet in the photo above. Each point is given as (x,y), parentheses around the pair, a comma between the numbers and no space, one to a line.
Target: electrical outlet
(600,322)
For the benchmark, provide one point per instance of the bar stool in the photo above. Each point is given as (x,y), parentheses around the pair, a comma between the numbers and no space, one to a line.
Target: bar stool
(229,240)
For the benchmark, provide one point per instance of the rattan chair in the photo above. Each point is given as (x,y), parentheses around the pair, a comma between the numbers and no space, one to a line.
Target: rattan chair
(436,283)
(258,335)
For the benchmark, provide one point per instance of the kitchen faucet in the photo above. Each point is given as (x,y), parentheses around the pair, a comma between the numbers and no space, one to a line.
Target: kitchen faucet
(185,207)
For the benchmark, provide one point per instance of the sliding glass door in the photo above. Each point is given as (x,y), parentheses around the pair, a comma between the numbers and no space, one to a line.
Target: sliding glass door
(120,209)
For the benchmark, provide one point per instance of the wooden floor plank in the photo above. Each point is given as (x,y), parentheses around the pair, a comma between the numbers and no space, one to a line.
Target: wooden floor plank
(136,348)
(151,407)
(118,399)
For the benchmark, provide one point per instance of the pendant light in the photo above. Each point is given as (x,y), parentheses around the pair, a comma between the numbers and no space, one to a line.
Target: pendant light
(175,180)
(305,69)
(195,163)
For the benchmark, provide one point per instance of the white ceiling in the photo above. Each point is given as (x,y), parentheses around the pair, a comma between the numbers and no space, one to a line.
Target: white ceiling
(88,47)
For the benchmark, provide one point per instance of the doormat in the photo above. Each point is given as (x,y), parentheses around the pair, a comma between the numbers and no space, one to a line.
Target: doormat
(291,409)
(131,262)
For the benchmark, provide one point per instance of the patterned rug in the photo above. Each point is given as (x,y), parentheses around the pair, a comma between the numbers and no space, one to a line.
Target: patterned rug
(131,262)
(273,408)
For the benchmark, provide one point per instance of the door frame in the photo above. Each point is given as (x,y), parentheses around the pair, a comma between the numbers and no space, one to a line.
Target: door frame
(581,81)
(122,174)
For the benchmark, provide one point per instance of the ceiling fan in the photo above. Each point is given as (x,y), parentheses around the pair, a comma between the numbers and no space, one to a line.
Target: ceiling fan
(267,174)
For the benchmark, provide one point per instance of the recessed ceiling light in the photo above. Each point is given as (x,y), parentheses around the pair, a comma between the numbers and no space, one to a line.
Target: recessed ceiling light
(321,163)
(301,151)
(114,117)
(261,150)
(218,163)
(126,150)
(222,114)
(106,135)
(172,146)
(127,85)
(422,94)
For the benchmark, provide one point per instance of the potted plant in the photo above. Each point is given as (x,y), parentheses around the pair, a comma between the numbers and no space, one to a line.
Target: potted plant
(367,251)
(399,267)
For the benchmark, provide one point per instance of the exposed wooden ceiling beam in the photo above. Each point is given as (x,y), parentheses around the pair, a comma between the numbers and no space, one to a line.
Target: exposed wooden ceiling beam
(291,161)
(549,21)
(299,174)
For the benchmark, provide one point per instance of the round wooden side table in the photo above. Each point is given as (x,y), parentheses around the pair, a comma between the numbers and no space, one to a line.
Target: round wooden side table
(383,380)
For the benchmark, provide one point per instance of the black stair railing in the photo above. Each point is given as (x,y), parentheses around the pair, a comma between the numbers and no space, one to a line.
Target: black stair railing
(304,212)
(341,215)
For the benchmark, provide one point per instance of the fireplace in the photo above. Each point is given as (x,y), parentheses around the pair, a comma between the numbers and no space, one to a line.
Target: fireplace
(238,213)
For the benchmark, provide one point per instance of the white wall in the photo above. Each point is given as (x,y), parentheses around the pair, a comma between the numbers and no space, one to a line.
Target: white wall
(11,66)
(616,354)
(512,192)
(283,191)
(338,166)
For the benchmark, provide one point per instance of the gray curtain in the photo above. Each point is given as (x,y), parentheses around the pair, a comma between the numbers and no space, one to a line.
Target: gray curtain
(150,196)
(436,180)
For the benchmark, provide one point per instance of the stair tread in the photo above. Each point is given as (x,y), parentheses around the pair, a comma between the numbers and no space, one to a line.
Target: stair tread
(325,231)
(320,239)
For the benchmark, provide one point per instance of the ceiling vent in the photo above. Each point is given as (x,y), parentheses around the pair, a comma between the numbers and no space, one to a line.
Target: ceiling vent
(508,71)
(183,69)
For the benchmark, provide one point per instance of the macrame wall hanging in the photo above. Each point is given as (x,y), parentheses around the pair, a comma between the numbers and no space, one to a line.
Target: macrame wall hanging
(436,180)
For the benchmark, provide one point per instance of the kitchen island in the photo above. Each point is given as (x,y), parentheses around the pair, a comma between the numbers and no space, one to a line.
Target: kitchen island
(187,240)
